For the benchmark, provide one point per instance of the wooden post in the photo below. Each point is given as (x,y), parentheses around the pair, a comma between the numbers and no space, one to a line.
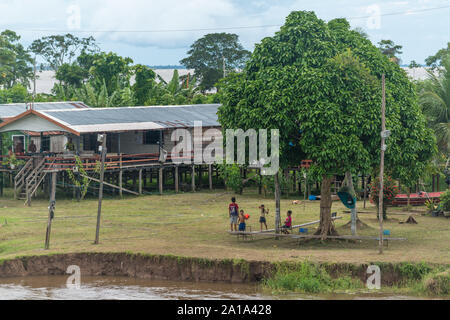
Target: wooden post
(140,181)
(295,181)
(193,178)
(100,191)
(383,147)
(210,176)
(160,180)
(432,183)
(277,204)
(176,177)
(51,211)
(120,176)
(437,183)
(365,189)
(259,182)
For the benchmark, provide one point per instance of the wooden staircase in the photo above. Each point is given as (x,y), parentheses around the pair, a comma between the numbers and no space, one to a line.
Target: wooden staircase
(28,180)
(20,179)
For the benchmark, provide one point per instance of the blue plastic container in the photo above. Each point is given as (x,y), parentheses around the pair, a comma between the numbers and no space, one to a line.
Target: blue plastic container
(312,198)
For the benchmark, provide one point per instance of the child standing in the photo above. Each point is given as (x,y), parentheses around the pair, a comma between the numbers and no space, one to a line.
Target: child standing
(233,211)
(242,219)
(262,217)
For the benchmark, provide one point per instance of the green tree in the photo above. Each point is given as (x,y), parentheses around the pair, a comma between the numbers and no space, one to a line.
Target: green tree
(18,93)
(72,74)
(435,101)
(390,49)
(209,54)
(15,61)
(319,83)
(144,85)
(57,50)
(110,69)
(437,59)
(414,64)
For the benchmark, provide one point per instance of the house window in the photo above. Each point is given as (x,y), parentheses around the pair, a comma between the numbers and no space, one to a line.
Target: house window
(45,143)
(151,137)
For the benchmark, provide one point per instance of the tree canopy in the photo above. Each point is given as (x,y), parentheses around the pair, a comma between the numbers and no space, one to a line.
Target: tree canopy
(211,53)
(440,56)
(15,61)
(319,83)
(59,49)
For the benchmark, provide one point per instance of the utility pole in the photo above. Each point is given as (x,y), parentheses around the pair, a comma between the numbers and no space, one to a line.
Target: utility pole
(384,135)
(51,211)
(34,82)
(224,69)
(101,138)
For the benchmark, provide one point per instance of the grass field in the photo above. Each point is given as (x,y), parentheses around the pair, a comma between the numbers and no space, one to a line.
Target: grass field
(196,224)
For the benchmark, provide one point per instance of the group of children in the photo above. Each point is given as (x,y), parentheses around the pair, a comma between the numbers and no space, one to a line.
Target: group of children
(237,215)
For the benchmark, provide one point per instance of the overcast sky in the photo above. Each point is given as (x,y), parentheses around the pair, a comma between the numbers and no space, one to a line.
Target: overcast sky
(172,25)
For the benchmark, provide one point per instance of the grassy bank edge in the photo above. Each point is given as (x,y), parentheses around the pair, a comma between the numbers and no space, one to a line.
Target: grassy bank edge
(411,278)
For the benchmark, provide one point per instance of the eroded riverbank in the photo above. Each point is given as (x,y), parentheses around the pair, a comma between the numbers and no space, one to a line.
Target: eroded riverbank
(173,268)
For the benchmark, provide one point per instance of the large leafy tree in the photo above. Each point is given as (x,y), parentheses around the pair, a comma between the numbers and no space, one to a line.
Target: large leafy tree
(72,74)
(144,83)
(15,61)
(435,101)
(209,54)
(319,83)
(57,50)
(109,68)
(440,56)
(390,49)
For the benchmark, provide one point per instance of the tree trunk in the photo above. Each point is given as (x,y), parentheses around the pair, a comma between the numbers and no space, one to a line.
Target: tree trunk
(349,181)
(277,204)
(409,198)
(326,227)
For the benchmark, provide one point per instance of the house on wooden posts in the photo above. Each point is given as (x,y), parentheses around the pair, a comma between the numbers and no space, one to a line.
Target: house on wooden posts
(139,141)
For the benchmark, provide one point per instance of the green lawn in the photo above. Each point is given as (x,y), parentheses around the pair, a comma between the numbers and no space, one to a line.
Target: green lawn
(196,224)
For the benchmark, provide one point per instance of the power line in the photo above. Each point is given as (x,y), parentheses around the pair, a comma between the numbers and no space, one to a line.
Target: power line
(221,28)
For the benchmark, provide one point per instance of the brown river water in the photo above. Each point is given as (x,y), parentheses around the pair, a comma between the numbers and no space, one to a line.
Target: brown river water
(123,288)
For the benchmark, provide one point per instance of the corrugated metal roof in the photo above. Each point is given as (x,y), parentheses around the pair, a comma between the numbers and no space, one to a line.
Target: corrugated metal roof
(134,117)
(14,109)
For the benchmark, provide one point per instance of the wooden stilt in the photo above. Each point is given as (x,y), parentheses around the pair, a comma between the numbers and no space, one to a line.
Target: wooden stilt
(176,179)
(120,176)
(210,176)
(160,179)
(140,181)
(193,178)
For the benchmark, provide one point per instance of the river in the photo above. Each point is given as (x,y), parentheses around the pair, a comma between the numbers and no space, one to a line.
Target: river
(123,288)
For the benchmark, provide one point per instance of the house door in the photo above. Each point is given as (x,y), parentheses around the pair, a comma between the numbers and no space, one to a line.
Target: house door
(18,144)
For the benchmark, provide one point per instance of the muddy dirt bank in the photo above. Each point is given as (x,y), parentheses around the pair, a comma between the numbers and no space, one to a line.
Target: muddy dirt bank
(160,267)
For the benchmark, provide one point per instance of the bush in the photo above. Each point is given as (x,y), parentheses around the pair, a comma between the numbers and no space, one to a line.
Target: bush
(445,200)
(438,284)
(309,278)
(390,191)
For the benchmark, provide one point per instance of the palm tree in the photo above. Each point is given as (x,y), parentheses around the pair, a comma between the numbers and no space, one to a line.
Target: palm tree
(435,101)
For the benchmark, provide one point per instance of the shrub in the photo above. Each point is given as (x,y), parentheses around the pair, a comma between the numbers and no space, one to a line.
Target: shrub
(445,200)
(309,278)
(438,284)
(390,191)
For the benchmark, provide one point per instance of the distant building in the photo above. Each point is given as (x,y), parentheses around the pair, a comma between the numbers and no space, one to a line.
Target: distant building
(420,73)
